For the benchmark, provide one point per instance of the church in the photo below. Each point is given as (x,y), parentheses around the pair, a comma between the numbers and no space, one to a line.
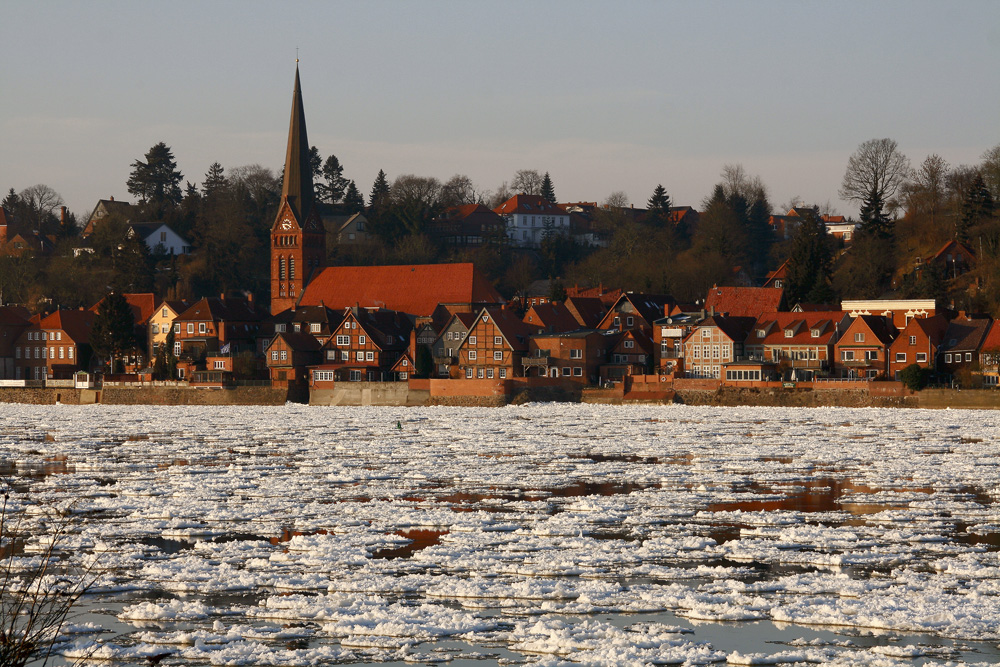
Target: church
(300,277)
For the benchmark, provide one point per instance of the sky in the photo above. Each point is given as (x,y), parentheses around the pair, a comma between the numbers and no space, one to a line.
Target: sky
(605,96)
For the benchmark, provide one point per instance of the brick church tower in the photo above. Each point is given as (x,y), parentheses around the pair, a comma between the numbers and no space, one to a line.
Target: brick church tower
(298,239)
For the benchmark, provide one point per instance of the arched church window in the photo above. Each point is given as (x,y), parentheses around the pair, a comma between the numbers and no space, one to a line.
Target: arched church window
(281,268)
(291,268)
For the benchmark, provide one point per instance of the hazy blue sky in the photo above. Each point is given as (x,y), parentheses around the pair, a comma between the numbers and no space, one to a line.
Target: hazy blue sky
(605,96)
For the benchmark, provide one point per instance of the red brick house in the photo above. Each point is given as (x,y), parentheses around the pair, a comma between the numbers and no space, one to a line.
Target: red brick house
(713,342)
(863,348)
(962,343)
(367,344)
(552,317)
(952,260)
(800,342)
(14,320)
(918,344)
(468,226)
(289,357)
(215,326)
(497,341)
(56,346)
(577,355)
(631,354)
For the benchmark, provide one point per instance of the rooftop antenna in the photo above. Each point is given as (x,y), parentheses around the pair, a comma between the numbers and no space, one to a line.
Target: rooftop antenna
(296,55)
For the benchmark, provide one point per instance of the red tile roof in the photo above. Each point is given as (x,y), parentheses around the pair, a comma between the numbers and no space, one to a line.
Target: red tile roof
(143,305)
(802,325)
(992,340)
(744,301)
(530,204)
(415,289)
(550,318)
(76,323)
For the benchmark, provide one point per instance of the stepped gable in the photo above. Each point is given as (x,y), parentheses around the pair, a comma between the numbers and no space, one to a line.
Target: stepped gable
(415,289)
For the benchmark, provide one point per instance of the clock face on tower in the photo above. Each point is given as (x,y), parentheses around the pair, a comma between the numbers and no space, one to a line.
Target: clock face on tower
(286,224)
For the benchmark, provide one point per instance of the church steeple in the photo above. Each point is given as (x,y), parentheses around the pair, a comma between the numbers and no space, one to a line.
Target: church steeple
(297,187)
(298,239)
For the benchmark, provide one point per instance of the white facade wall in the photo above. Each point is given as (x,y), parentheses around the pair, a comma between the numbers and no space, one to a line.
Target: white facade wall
(526,230)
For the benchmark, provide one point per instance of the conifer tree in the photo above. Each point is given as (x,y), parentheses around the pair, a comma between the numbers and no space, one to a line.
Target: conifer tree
(379,197)
(976,207)
(874,221)
(353,201)
(547,191)
(113,332)
(156,181)
(809,266)
(333,190)
(658,207)
(215,180)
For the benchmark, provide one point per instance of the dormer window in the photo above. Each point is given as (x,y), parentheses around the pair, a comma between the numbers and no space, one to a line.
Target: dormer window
(789,333)
(761,333)
(814,333)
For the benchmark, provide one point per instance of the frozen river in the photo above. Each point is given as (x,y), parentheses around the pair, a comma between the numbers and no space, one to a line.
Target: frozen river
(537,534)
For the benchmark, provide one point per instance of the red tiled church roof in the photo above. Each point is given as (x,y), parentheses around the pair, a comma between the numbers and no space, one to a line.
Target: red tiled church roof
(415,289)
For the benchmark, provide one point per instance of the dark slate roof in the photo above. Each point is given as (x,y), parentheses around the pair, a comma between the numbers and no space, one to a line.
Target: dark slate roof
(965,335)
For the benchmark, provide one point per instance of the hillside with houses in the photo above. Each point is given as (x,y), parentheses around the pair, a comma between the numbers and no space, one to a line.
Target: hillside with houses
(298,284)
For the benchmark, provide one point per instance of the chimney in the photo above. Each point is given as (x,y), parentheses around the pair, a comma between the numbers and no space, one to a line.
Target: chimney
(62,215)
(111,198)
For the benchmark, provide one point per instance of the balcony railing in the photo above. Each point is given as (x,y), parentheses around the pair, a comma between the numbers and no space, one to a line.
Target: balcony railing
(535,361)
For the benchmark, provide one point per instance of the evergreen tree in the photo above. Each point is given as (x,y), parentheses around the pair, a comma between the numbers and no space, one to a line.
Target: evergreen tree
(315,164)
(10,202)
(658,207)
(113,332)
(809,266)
(547,190)
(379,197)
(353,201)
(333,189)
(874,221)
(156,182)
(215,180)
(976,207)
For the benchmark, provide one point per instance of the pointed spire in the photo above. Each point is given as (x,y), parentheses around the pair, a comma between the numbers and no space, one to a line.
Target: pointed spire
(297,187)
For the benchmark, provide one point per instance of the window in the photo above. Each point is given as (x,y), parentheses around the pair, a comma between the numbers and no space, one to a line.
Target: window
(789,333)
(291,268)
(369,356)
(498,356)
(362,340)
(629,321)
(715,351)
(359,356)
(947,358)
(345,355)
(847,355)
(479,373)
(154,328)
(498,340)
(761,333)
(706,333)
(913,340)
(315,327)
(190,327)
(859,337)
(566,370)
(468,373)
(629,344)
(201,327)
(177,350)
(871,355)
(472,355)
(814,333)
(274,355)
(921,357)
(177,328)
(576,354)
(695,351)
(725,351)
(617,321)
(968,356)
(503,373)
(355,376)
(284,355)
(343,340)
(164,314)
(219,365)
(489,373)
(448,336)
(280,328)
(323,376)
(17,353)
(472,340)
(900,357)
(402,375)
(578,371)
(281,268)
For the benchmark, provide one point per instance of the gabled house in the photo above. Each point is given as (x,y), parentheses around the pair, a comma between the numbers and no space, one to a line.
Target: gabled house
(106,208)
(668,339)
(366,344)
(962,342)
(989,356)
(497,341)
(318,321)
(713,342)
(801,343)
(161,322)
(778,277)
(576,355)
(918,344)
(633,310)
(631,354)
(899,311)
(353,230)
(588,311)
(952,260)
(551,317)
(863,348)
(403,369)
(745,301)
(159,238)
(55,346)
(444,347)
(530,218)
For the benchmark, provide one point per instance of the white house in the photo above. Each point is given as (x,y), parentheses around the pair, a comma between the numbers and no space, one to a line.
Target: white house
(530,218)
(158,234)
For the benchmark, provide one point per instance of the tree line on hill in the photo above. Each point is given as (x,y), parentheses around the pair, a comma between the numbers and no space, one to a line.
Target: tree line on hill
(903,213)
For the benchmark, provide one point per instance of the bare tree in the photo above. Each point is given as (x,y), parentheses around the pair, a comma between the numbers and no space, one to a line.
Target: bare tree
(502,194)
(737,182)
(460,190)
(991,171)
(38,204)
(527,181)
(925,190)
(875,171)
